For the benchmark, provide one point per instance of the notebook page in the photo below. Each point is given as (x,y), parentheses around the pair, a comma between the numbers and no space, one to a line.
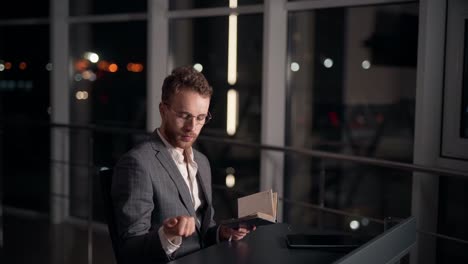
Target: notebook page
(257,202)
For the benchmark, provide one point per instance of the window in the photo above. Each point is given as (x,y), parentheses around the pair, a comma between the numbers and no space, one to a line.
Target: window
(455,118)
(108,89)
(24,107)
(351,90)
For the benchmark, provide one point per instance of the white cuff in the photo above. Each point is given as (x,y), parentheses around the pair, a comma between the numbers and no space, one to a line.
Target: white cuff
(169,246)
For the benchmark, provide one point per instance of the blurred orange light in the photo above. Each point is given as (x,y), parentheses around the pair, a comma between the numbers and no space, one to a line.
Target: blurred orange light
(81,65)
(103,65)
(7,65)
(23,65)
(113,67)
(137,67)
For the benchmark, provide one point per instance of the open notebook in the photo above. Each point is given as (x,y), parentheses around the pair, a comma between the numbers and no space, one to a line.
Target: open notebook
(255,210)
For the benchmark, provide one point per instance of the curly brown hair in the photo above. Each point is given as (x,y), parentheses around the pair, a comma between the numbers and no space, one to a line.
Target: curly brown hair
(185,77)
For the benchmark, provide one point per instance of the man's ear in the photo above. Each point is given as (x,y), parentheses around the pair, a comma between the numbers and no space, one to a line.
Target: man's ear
(161,108)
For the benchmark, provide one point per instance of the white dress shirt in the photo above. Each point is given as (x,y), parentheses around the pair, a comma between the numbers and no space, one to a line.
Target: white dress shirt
(188,168)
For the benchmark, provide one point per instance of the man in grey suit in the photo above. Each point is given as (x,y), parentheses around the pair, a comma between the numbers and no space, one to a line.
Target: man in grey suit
(162,188)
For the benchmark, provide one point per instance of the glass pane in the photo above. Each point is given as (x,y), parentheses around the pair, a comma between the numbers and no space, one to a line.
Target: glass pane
(184,4)
(24,9)
(351,86)
(365,193)
(452,220)
(108,89)
(204,42)
(109,64)
(24,103)
(88,7)
(464,108)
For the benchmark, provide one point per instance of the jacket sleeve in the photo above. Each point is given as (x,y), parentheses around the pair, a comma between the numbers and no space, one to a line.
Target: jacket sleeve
(132,195)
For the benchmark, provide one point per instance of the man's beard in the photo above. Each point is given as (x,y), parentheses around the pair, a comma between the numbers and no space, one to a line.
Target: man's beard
(174,139)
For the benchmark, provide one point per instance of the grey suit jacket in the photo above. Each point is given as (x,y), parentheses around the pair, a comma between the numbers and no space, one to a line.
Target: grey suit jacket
(147,188)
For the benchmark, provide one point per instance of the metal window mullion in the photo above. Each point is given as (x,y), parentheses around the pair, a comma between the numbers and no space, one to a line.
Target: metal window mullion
(273,95)
(60,106)
(108,18)
(317,4)
(25,21)
(216,11)
(428,109)
(158,49)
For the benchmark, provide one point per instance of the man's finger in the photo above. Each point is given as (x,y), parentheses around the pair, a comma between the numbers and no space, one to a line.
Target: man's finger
(237,236)
(192,225)
(190,228)
(243,230)
(185,228)
(181,226)
(170,222)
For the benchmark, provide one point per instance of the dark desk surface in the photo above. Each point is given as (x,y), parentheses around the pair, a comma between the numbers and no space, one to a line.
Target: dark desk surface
(265,245)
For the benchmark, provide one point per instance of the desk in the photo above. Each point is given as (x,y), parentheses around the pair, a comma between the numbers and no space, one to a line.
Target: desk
(265,245)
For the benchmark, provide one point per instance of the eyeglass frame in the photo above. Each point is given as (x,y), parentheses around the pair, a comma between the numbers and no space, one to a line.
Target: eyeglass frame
(185,116)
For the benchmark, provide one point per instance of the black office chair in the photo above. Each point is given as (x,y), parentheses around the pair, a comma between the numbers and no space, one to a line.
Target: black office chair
(105,176)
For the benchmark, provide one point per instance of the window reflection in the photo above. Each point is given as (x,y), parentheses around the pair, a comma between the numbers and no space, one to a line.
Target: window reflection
(351,86)
(108,88)
(24,107)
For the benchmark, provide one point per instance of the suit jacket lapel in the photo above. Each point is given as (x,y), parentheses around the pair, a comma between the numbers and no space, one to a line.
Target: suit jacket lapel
(202,178)
(204,184)
(168,163)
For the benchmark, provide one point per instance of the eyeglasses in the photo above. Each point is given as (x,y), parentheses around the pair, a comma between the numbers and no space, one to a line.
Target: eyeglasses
(186,117)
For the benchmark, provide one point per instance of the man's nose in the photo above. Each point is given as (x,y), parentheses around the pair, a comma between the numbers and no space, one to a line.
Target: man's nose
(191,123)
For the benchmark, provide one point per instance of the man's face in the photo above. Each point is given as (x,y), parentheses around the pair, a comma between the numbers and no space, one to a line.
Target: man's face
(179,118)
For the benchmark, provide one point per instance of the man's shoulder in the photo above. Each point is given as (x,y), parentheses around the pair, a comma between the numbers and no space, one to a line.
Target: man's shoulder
(197,152)
(149,145)
(198,155)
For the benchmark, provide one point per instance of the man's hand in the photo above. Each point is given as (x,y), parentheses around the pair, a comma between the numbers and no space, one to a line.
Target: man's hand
(183,226)
(226,233)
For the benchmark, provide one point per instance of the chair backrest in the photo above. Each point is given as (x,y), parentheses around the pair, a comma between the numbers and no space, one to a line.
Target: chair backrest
(105,177)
